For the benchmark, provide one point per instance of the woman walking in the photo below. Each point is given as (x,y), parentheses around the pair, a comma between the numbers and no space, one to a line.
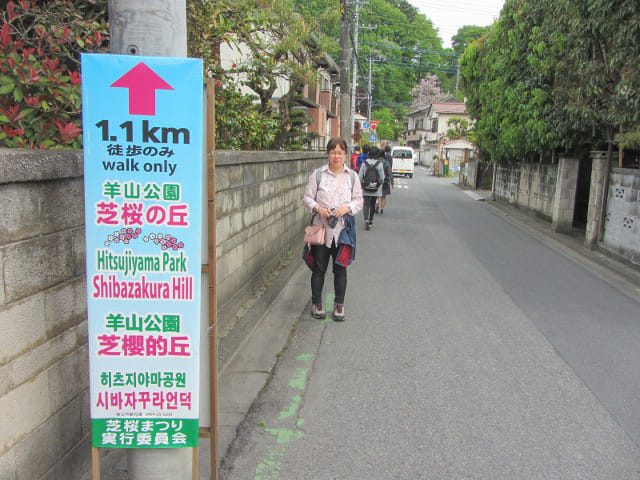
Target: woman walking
(333,195)
(387,185)
(374,163)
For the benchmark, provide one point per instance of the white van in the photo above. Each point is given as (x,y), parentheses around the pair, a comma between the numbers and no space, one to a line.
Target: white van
(402,161)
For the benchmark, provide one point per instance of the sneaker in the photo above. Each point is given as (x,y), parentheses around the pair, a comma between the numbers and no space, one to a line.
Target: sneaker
(371,223)
(318,312)
(366,224)
(381,211)
(338,312)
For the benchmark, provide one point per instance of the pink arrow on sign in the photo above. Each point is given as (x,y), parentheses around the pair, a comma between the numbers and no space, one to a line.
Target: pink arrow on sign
(142,83)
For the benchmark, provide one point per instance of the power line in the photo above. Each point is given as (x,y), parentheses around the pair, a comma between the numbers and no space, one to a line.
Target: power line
(416,50)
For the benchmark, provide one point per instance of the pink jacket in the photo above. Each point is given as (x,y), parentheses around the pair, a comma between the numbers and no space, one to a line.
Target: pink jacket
(349,194)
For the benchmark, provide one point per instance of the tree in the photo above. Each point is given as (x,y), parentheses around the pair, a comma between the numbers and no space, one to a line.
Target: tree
(598,80)
(426,92)
(508,81)
(213,22)
(402,45)
(287,49)
(239,124)
(389,127)
(465,36)
(458,128)
(282,45)
(555,75)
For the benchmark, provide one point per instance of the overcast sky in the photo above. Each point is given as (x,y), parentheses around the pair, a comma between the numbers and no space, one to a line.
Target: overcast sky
(450,15)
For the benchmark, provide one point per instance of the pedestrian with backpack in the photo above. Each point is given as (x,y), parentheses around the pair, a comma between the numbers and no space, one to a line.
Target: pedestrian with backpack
(371,178)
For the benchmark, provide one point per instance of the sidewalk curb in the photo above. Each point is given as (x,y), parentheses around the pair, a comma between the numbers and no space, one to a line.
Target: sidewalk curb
(249,369)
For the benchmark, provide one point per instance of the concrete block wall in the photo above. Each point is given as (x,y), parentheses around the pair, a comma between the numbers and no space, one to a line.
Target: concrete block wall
(529,186)
(537,188)
(622,220)
(44,402)
(43,346)
(260,219)
(507,183)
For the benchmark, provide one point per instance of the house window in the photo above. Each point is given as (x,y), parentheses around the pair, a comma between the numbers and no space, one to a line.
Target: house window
(325,83)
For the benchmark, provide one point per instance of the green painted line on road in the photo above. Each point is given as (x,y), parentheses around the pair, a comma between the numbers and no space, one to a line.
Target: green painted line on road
(328,307)
(269,469)
(328,302)
(305,357)
(300,381)
(291,410)
(284,435)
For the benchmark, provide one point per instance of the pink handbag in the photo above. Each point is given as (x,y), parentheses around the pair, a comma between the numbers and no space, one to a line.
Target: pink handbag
(314,234)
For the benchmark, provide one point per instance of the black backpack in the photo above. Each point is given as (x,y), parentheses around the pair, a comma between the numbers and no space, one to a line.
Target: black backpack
(371,179)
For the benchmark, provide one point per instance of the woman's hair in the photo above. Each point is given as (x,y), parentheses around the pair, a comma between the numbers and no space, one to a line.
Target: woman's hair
(336,141)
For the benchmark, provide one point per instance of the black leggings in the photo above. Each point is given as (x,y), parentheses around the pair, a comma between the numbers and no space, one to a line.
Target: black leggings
(369,207)
(322,255)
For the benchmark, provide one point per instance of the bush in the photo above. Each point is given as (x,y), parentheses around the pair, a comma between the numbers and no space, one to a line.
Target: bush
(40,95)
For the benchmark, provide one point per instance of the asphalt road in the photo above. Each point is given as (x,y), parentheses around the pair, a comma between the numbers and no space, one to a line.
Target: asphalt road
(472,350)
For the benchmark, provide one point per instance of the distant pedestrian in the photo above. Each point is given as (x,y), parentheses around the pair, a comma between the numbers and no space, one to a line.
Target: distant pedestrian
(354,158)
(387,185)
(362,157)
(333,195)
(372,166)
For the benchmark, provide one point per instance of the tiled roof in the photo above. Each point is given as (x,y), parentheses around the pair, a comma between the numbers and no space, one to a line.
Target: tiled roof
(421,110)
(449,107)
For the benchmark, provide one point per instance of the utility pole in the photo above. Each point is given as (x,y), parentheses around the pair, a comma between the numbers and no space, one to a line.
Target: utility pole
(152,28)
(345,58)
(147,27)
(354,83)
(370,93)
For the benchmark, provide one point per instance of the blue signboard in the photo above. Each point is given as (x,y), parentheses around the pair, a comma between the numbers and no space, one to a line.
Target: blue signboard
(142,132)
(373,137)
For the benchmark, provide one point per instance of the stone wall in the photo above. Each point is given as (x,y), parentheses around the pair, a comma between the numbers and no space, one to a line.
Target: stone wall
(44,402)
(622,220)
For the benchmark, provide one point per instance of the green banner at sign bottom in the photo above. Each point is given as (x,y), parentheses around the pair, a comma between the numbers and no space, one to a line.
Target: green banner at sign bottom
(144,432)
